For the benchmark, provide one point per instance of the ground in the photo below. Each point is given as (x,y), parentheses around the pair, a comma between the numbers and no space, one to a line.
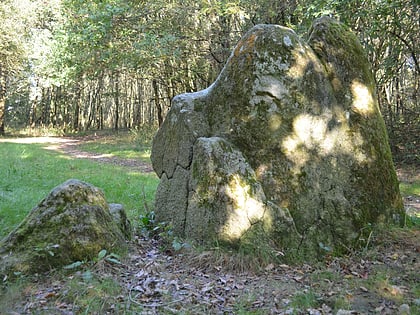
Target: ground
(161,277)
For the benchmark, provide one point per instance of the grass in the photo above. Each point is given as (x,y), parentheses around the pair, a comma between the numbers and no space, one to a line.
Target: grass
(305,300)
(86,293)
(92,294)
(134,144)
(28,172)
(409,189)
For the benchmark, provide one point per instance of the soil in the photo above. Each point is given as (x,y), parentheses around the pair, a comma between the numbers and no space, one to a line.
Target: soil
(161,277)
(71,147)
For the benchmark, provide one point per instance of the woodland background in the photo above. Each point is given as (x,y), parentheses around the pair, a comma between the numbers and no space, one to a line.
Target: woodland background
(74,65)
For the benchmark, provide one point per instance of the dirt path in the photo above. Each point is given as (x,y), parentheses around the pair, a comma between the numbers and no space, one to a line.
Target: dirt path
(72,149)
(70,146)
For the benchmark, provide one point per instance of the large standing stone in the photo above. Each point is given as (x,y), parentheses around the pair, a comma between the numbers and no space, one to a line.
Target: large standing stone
(73,223)
(287,147)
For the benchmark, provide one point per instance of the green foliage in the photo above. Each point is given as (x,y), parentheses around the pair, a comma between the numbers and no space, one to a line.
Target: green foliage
(148,225)
(72,51)
(413,221)
(102,256)
(162,231)
(15,16)
(411,191)
(73,265)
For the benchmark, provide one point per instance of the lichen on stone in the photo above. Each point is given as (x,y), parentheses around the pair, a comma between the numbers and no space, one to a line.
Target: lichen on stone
(287,147)
(73,223)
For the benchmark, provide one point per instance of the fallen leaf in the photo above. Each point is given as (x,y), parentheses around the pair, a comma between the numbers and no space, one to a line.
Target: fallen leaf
(379,309)
(50,295)
(269,267)
(207,288)
(364,289)
(298,279)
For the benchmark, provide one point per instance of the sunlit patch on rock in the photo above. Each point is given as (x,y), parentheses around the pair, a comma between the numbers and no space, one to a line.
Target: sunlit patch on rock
(286,149)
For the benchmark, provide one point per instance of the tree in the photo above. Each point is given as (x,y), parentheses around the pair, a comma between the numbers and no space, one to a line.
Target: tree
(13,15)
(118,63)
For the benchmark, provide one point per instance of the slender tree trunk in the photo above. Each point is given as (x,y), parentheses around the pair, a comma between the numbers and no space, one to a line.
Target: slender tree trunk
(398,100)
(140,104)
(33,112)
(57,122)
(93,104)
(46,108)
(78,97)
(117,100)
(2,100)
(101,118)
(157,102)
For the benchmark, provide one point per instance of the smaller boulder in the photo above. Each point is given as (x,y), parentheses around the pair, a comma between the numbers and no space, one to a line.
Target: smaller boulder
(73,223)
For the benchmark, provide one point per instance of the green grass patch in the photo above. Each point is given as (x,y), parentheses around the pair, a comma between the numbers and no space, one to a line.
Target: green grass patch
(409,189)
(135,144)
(305,300)
(92,295)
(28,172)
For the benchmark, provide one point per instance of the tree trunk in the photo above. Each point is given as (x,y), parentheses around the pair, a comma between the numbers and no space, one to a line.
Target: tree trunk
(157,102)
(77,108)
(117,100)
(58,99)
(46,108)
(2,100)
(140,104)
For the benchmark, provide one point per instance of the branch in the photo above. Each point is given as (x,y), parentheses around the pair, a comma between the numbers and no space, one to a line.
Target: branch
(214,56)
(412,52)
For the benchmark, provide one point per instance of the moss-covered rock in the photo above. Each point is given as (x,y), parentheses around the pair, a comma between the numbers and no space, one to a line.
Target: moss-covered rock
(73,223)
(287,142)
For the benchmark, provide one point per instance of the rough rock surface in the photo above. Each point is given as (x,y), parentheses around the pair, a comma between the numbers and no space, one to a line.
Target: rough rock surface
(73,223)
(286,149)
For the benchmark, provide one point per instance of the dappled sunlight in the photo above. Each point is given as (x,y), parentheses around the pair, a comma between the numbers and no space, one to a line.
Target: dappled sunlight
(286,148)
(362,98)
(274,122)
(311,133)
(133,154)
(31,140)
(308,133)
(246,211)
(87,155)
(300,65)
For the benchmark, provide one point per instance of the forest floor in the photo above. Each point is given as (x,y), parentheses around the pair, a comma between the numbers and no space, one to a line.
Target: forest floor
(155,278)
